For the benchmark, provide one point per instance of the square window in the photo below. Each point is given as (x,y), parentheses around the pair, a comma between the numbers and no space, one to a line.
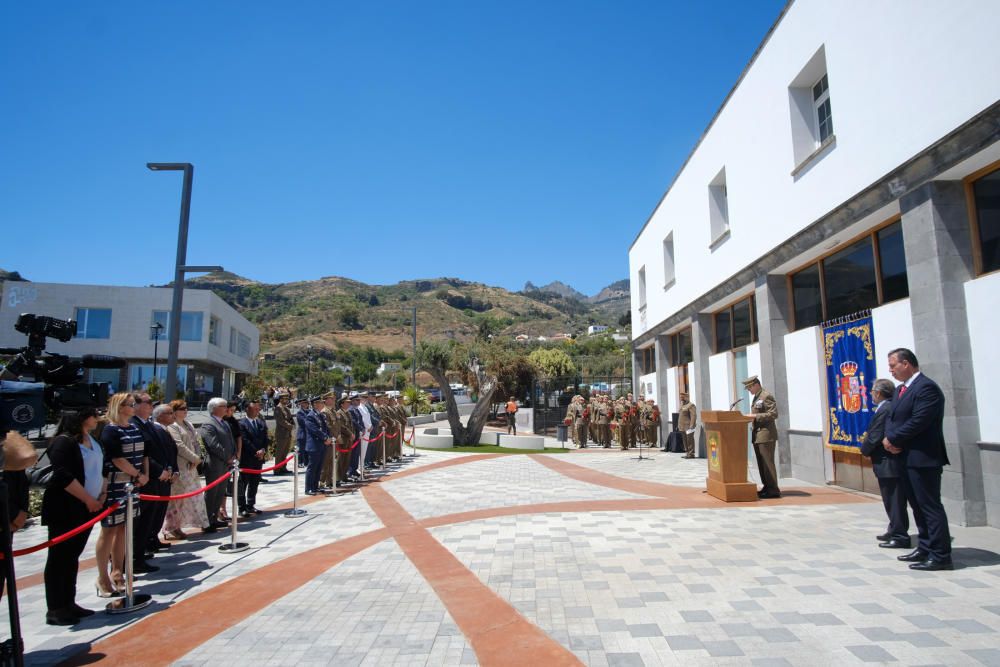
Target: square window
(93,323)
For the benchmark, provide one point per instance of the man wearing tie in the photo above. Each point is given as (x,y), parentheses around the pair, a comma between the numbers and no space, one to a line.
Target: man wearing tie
(255,442)
(888,469)
(914,428)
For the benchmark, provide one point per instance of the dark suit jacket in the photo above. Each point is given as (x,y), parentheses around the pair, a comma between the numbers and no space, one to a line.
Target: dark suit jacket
(356,420)
(316,431)
(219,444)
(255,439)
(884,464)
(300,428)
(915,423)
(58,506)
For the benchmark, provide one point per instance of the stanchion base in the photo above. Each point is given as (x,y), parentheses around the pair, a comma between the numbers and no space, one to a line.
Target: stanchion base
(295,514)
(121,605)
(234,548)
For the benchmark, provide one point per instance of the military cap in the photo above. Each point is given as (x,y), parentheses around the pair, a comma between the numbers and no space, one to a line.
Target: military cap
(302,399)
(750,380)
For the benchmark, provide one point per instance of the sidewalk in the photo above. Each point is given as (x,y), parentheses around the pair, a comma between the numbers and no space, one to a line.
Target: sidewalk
(587,558)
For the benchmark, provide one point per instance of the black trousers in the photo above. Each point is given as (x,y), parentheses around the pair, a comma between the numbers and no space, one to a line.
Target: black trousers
(151,516)
(247,497)
(62,565)
(893,491)
(924,494)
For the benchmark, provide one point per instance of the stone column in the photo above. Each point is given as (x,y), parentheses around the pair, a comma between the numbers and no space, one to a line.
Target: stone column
(701,350)
(936,237)
(636,371)
(773,318)
(662,346)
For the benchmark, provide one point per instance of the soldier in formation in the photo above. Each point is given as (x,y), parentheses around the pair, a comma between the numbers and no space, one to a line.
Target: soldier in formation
(577,419)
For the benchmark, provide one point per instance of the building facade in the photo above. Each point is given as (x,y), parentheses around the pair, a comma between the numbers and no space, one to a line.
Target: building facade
(217,344)
(853,169)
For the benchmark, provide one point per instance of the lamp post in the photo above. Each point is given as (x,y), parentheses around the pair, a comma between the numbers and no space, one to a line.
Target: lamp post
(156,329)
(180,268)
(309,368)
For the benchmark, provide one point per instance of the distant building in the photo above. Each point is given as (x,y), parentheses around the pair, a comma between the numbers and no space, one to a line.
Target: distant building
(596,329)
(216,343)
(389,366)
(561,337)
(522,338)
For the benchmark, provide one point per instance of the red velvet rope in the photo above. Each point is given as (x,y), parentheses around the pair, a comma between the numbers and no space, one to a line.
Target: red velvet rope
(256,471)
(344,451)
(65,536)
(163,499)
(413,429)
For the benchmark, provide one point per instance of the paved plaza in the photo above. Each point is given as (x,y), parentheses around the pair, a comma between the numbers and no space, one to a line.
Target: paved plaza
(589,557)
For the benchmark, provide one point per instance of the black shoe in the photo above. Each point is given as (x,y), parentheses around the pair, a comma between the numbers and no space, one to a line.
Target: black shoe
(883,537)
(80,611)
(895,544)
(915,556)
(160,546)
(769,494)
(933,565)
(311,493)
(264,480)
(212,528)
(142,567)
(253,510)
(148,554)
(246,515)
(62,617)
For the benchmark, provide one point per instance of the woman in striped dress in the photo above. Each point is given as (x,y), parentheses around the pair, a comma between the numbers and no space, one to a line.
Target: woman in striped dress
(124,462)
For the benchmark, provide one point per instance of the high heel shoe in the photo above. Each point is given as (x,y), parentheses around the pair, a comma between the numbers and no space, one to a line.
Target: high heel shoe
(105,593)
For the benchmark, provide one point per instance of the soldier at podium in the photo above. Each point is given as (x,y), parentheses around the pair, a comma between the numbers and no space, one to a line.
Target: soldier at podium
(764,410)
(686,422)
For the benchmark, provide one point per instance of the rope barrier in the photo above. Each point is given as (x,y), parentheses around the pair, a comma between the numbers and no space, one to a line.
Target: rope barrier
(392,435)
(65,536)
(344,451)
(257,471)
(413,430)
(163,499)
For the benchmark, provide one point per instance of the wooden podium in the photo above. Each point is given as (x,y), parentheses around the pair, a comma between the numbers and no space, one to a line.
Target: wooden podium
(726,437)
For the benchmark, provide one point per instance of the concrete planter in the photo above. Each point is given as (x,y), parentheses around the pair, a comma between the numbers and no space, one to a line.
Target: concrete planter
(435,438)
(521,441)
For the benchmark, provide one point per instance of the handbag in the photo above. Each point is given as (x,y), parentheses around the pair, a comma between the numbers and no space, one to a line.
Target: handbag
(40,475)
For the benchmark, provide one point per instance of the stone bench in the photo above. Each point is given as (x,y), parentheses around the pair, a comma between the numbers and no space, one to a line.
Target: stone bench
(521,441)
(435,438)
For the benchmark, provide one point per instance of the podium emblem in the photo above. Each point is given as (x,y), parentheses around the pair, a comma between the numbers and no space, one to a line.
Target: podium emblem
(713,449)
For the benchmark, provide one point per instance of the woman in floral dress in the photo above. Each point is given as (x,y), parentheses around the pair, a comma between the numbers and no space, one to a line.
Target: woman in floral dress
(189,511)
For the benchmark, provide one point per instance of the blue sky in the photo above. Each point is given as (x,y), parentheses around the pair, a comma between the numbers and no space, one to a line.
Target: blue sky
(382,141)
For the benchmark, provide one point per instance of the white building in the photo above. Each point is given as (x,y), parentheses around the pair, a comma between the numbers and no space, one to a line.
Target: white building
(855,165)
(596,329)
(390,366)
(216,342)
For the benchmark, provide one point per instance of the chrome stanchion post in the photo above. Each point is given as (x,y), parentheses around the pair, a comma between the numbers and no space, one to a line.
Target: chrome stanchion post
(234,545)
(383,448)
(296,511)
(132,601)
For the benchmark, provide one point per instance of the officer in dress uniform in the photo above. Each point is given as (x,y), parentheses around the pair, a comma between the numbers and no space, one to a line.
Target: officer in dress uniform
(284,423)
(764,410)
(686,421)
(302,402)
(576,421)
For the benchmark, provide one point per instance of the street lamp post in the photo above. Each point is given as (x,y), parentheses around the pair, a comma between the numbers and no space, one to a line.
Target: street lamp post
(156,328)
(309,368)
(180,268)
(414,364)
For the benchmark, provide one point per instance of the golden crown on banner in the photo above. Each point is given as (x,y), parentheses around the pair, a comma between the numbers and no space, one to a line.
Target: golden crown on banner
(849,368)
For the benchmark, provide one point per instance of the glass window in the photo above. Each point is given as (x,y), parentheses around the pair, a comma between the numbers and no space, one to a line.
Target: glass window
(213,330)
(139,376)
(892,263)
(684,349)
(824,117)
(806,299)
(109,375)
(987,194)
(191,324)
(243,345)
(232,340)
(723,331)
(742,331)
(93,323)
(849,278)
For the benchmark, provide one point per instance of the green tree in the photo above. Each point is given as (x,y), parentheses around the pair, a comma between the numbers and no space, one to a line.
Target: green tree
(417,400)
(363,371)
(470,362)
(551,362)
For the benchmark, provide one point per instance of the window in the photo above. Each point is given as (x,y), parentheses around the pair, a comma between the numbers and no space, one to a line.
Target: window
(140,374)
(93,323)
(213,330)
(242,345)
(232,340)
(680,348)
(669,270)
(191,325)
(718,207)
(735,326)
(850,279)
(810,112)
(642,287)
(821,103)
(647,360)
(986,240)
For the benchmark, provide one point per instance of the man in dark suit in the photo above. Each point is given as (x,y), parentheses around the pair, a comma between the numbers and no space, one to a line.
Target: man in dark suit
(149,511)
(914,428)
(221,450)
(888,469)
(255,442)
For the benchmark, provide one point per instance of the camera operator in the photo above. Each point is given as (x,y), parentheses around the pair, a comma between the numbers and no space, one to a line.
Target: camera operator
(125,461)
(18,456)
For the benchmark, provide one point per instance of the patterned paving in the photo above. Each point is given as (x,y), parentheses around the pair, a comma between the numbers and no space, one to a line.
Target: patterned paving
(487,560)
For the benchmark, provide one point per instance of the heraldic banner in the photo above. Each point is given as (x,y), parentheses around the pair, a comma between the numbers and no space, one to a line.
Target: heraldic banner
(849,352)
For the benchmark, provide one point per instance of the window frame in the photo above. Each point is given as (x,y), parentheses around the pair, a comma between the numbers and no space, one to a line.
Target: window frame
(872,235)
(731,309)
(676,348)
(76,316)
(970,200)
(818,102)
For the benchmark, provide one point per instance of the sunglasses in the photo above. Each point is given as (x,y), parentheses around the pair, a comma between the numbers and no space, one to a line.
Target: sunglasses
(143,400)
(129,405)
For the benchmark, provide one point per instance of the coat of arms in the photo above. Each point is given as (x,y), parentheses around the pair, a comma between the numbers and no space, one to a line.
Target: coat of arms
(853,394)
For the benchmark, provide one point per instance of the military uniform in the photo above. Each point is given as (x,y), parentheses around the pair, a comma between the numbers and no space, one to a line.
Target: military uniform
(343,433)
(686,420)
(284,424)
(592,425)
(577,416)
(326,474)
(764,431)
(604,415)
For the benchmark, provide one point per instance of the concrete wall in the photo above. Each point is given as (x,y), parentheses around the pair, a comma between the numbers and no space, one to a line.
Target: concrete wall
(648,386)
(804,365)
(982,299)
(878,62)
(719,367)
(892,326)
